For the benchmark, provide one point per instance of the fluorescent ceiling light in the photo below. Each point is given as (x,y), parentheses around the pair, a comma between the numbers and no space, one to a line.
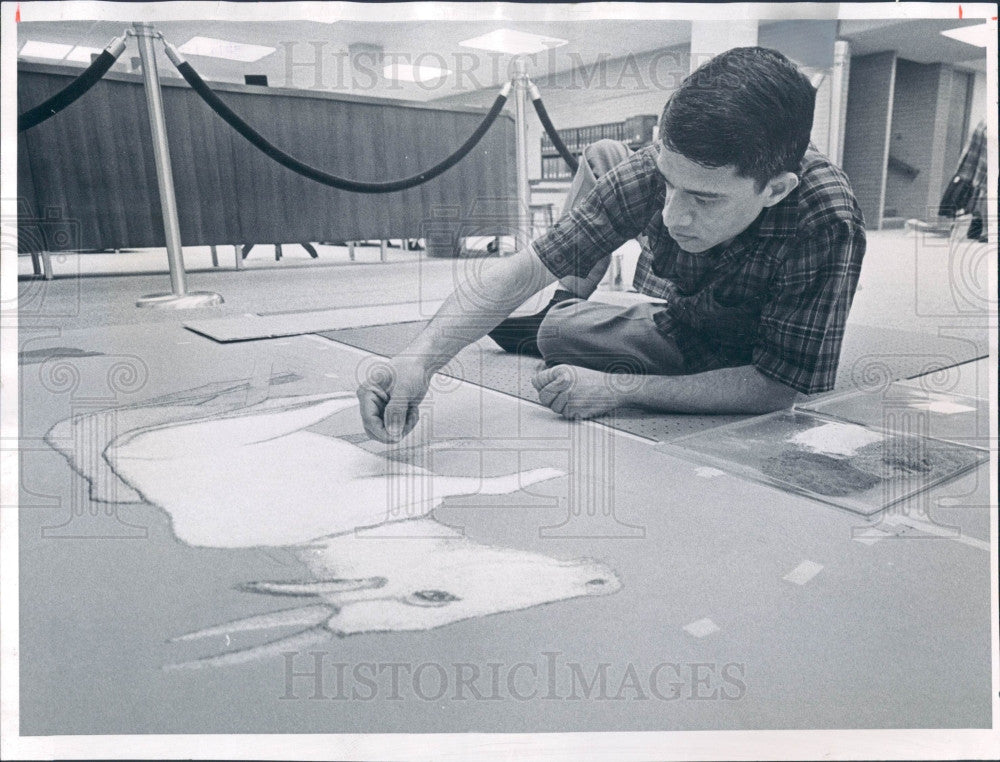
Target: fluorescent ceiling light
(398,72)
(971,35)
(513,42)
(82,54)
(233,51)
(53,50)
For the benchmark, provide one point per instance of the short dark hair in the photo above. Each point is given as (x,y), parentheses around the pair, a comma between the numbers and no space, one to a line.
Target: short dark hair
(750,108)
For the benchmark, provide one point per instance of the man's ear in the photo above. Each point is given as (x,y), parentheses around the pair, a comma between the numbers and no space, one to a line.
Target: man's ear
(780,186)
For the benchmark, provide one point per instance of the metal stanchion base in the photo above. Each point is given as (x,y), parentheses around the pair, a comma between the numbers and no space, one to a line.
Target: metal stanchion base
(188,301)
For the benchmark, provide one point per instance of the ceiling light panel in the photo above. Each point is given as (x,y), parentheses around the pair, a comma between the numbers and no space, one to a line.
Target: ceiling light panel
(513,42)
(51,50)
(971,35)
(83,54)
(399,72)
(232,51)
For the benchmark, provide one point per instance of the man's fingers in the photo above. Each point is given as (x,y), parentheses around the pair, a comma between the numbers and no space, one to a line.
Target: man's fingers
(386,422)
(380,378)
(377,391)
(390,397)
(372,406)
(395,419)
(412,417)
(370,391)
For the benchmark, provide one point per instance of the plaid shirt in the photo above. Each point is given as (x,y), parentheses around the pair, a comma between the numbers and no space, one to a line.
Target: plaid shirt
(776,297)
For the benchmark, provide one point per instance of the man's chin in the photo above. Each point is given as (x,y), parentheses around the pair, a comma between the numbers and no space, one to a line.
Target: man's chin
(693,245)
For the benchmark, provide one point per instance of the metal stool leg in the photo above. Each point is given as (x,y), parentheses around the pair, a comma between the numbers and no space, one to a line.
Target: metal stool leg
(311,249)
(215,256)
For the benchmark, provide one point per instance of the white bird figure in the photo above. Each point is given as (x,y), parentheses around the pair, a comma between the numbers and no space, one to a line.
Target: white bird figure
(387,583)
(83,438)
(358,522)
(257,478)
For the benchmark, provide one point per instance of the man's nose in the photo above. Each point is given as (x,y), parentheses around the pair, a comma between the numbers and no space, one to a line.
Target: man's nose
(676,215)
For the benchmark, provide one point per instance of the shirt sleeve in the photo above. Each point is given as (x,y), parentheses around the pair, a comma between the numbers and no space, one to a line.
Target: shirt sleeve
(801,328)
(613,212)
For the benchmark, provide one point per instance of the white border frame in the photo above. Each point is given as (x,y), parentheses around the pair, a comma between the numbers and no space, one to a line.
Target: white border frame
(687,745)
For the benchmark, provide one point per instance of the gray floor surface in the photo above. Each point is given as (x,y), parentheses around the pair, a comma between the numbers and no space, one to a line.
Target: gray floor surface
(892,632)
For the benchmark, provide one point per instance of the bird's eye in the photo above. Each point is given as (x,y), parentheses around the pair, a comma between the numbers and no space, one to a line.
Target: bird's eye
(431,598)
(434,596)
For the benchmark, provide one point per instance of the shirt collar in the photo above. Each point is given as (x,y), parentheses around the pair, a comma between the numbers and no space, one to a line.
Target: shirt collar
(782,219)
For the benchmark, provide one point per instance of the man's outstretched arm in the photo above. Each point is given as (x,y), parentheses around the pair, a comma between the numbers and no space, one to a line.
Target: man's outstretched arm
(478,304)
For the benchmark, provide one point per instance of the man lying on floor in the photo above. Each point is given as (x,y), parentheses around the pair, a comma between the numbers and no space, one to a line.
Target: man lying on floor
(751,237)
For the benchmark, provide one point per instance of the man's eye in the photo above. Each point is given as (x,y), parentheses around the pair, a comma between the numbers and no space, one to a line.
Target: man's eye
(700,201)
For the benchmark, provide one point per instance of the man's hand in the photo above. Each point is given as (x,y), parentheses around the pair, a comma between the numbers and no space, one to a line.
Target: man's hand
(576,392)
(390,398)
(390,395)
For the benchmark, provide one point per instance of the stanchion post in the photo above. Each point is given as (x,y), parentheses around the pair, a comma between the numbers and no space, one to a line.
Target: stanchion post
(179,298)
(521,142)
(615,283)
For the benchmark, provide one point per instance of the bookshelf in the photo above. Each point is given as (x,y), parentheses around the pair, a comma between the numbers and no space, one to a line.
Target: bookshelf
(635,132)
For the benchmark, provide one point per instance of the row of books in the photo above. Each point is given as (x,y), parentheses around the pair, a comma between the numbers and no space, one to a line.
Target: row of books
(555,168)
(576,138)
(636,131)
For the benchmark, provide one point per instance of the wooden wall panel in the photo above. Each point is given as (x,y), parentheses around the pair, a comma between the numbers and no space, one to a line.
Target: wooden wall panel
(94,161)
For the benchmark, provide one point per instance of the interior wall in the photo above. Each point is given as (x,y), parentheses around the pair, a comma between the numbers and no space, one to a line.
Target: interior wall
(822,130)
(807,42)
(839,77)
(915,106)
(866,132)
(978,107)
(709,38)
(811,45)
(929,129)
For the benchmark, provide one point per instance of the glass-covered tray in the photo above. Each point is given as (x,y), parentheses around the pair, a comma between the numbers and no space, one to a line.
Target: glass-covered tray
(860,468)
(907,408)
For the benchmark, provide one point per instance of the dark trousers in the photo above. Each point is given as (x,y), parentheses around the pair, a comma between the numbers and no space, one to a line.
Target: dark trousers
(604,337)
